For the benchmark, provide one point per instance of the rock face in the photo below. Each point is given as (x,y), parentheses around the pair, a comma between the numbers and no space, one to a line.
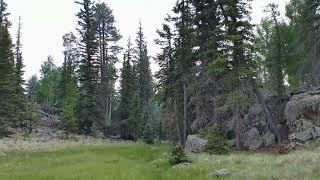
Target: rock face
(253,139)
(303,115)
(195,144)
(268,139)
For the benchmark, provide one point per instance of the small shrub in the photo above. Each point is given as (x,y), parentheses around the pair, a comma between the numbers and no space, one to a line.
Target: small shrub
(177,155)
(68,120)
(202,133)
(217,143)
(147,135)
(94,130)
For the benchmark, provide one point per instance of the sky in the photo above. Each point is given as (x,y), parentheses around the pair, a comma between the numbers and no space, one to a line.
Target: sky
(44,22)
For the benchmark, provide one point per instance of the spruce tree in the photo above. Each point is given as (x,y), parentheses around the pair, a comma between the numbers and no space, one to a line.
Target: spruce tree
(148,137)
(33,88)
(144,72)
(108,36)
(7,74)
(68,120)
(20,91)
(88,67)
(127,93)
(68,85)
(184,73)
(31,115)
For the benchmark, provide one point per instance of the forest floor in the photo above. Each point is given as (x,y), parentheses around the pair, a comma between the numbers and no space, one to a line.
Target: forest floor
(143,162)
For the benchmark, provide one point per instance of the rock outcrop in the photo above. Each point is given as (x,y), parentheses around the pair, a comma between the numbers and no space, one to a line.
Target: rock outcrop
(303,115)
(253,139)
(195,144)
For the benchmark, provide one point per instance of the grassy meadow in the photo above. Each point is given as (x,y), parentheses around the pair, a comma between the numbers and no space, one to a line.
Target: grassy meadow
(143,162)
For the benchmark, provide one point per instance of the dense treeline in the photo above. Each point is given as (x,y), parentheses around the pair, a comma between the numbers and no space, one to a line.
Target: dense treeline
(213,65)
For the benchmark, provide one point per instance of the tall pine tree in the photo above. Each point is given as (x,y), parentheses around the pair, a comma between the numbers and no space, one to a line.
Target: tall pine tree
(7,74)
(20,91)
(88,68)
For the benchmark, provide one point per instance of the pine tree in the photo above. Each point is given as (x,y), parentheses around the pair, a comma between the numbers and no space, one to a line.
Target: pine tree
(88,67)
(129,102)
(20,91)
(236,62)
(209,36)
(217,143)
(68,120)
(108,36)
(68,88)
(33,88)
(7,74)
(184,73)
(31,115)
(144,71)
(148,137)
(277,61)
(3,13)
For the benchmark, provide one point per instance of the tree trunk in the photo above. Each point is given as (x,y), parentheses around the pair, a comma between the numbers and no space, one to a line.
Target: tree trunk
(184,121)
(236,118)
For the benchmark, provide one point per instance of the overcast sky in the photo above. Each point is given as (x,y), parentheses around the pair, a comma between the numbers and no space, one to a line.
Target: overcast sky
(45,21)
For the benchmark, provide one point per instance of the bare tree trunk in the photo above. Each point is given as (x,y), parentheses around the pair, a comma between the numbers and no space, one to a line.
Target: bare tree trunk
(237,122)
(184,121)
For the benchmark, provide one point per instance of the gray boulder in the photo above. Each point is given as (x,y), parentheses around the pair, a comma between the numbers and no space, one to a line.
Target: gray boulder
(268,139)
(195,144)
(182,165)
(220,172)
(253,139)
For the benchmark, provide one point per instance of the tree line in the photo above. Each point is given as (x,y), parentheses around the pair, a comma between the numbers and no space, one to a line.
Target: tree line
(213,65)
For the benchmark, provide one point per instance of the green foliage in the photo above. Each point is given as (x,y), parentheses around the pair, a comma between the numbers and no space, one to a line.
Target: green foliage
(217,143)
(88,75)
(177,155)
(31,115)
(94,130)
(68,120)
(142,162)
(48,90)
(8,81)
(148,136)
(202,133)
(218,66)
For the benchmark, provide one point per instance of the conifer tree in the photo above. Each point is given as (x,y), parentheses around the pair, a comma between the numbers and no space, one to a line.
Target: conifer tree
(108,36)
(148,137)
(144,72)
(127,93)
(7,74)
(69,120)
(88,67)
(68,82)
(20,91)
(184,76)
(33,88)
(31,115)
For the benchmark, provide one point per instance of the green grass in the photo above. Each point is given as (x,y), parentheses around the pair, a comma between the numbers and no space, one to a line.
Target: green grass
(135,162)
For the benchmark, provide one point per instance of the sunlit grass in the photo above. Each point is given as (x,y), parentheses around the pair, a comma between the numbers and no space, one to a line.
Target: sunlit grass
(142,162)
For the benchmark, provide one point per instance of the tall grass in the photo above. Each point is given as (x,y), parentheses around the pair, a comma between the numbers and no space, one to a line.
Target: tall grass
(142,162)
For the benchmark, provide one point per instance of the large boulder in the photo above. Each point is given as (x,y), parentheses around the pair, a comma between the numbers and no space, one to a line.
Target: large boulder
(253,139)
(269,139)
(302,114)
(195,144)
